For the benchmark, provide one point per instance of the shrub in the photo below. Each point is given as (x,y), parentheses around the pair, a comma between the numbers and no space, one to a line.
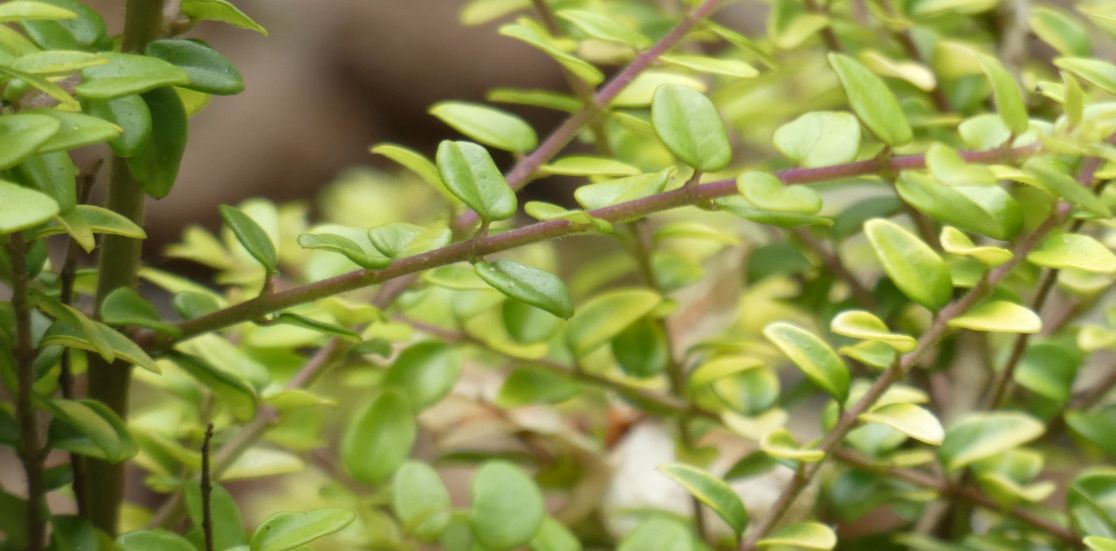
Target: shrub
(850,274)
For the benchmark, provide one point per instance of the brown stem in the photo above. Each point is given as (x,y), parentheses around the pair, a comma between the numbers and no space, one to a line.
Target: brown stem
(541,231)
(207,490)
(31,450)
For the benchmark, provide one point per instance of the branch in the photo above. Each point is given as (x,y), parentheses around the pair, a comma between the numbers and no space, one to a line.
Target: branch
(541,231)
(521,173)
(30,451)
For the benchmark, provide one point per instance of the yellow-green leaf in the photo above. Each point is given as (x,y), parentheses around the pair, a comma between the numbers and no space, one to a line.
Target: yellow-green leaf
(1009,98)
(813,356)
(488,126)
(908,419)
(711,491)
(689,125)
(872,101)
(998,316)
(864,325)
(912,265)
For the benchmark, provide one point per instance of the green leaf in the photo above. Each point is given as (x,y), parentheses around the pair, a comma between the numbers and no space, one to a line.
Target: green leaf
(124,306)
(345,246)
(535,287)
(129,113)
(860,324)
(545,99)
(1053,178)
(55,62)
(421,501)
(155,164)
(1074,251)
(767,192)
(618,191)
(554,536)
(65,333)
(283,531)
(207,70)
(911,264)
(531,33)
(987,210)
(711,491)
(803,535)
(780,444)
(1048,369)
(22,208)
(689,125)
(417,163)
(228,528)
(641,349)
(1100,73)
(90,428)
(81,33)
(379,438)
(472,176)
(24,10)
(908,419)
(220,10)
(1061,32)
(53,174)
(813,356)
(529,385)
(318,326)
(660,534)
(734,68)
(998,316)
(872,101)
(232,391)
(21,135)
(1098,427)
(43,85)
(254,239)
(981,435)
(955,242)
(1009,98)
(76,130)
(402,239)
(602,27)
(125,74)
(604,316)
(425,373)
(580,165)
(820,138)
(146,540)
(1089,502)
(1100,543)
(488,126)
(507,506)
(949,168)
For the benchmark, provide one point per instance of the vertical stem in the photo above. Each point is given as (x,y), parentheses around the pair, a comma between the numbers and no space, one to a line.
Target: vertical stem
(207,490)
(117,267)
(30,452)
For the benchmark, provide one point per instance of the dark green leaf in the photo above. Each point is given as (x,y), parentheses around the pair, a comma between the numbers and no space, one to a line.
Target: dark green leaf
(207,70)
(129,113)
(53,174)
(535,287)
(529,385)
(254,239)
(155,165)
(228,528)
(81,33)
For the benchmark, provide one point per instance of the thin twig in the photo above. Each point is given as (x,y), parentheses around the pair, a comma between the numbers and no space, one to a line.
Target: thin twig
(836,266)
(207,490)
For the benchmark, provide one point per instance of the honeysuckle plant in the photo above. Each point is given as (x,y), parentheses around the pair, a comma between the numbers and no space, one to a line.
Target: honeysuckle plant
(842,283)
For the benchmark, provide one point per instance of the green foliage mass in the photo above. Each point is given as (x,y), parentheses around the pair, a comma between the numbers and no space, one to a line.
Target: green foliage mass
(860,260)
